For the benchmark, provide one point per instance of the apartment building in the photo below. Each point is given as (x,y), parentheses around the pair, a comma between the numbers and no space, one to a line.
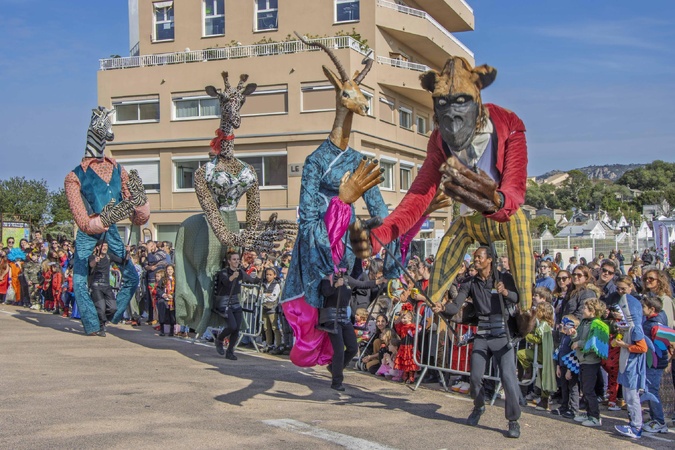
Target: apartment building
(164,119)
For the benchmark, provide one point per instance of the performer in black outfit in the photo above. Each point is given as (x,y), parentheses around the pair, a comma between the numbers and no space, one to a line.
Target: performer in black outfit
(333,318)
(226,302)
(491,338)
(99,284)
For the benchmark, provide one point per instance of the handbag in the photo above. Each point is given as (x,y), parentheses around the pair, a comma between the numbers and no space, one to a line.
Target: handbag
(11,295)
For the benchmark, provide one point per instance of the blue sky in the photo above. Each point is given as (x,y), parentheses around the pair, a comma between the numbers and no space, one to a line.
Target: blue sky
(594,81)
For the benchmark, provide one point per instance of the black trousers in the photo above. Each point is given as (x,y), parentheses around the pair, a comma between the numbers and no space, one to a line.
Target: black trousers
(344,349)
(570,392)
(235,317)
(589,376)
(104,301)
(505,357)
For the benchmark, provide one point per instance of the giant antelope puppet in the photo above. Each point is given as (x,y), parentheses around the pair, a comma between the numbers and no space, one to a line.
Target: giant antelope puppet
(100,194)
(203,239)
(334,176)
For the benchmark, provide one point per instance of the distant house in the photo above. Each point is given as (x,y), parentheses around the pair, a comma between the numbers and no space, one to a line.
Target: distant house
(555,214)
(644,232)
(530,211)
(562,223)
(596,229)
(556,179)
(652,212)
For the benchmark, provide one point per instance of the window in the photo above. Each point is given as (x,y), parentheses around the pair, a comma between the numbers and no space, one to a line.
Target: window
(266,100)
(317,97)
(195,107)
(406,177)
(388,174)
(271,169)
(163,21)
(369,97)
(266,15)
(214,17)
(346,10)
(167,232)
(388,109)
(147,170)
(405,117)
(146,110)
(422,125)
(185,173)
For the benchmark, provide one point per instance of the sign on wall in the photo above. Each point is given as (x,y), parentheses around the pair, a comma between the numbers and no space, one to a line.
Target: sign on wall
(295,170)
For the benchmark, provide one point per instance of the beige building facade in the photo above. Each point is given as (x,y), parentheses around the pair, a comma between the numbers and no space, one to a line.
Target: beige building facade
(164,120)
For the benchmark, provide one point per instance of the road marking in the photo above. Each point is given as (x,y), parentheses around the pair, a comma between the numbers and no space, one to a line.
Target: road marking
(9,313)
(333,437)
(650,436)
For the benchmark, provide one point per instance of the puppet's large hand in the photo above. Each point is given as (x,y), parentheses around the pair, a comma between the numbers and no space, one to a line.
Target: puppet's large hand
(287,228)
(364,177)
(440,201)
(360,239)
(475,190)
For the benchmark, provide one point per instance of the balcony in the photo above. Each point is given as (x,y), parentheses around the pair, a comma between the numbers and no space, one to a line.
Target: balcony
(242,51)
(420,31)
(405,82)
(454,15)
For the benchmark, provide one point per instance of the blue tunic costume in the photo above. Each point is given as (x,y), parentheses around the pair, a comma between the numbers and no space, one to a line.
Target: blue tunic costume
(97,193)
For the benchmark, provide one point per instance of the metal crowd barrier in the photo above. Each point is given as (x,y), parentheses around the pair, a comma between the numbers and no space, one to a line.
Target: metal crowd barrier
(439,350)
(250,299)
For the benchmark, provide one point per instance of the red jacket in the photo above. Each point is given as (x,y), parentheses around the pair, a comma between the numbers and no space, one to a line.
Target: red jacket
(511,165)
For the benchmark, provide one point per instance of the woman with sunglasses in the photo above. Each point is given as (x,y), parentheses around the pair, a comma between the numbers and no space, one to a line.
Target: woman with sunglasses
(582,290)
(563,281)
(656,282)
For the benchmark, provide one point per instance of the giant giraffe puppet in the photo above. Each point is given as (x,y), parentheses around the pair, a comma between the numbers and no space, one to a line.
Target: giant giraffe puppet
(100,194)
(203,239)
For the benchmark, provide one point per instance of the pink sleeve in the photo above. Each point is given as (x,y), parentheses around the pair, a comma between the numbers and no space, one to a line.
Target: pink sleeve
(337,220)
(141,214)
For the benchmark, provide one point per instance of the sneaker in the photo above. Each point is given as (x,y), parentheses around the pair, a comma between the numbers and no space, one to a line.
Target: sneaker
(655,427)
(592,422)
(464,388)
(558,411)
(568,415)
(338,387)
(611,406)
(514,429)
(542,405)
(530,397)
(474,417)
(535,401)
(230,355)
(580,417)
(628,431)
(220,348)
(455,387)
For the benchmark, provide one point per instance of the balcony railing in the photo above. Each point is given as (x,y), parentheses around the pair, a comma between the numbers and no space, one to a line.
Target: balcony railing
(402,64)
(243,51)
(422,14)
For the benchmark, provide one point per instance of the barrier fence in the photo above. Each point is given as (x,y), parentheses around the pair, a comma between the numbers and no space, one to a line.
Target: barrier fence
(250,299)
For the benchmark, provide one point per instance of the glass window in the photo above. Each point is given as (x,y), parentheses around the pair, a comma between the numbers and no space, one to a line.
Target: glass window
(214,17)
(145,111)
(148,171)
(406,177)
(189,108)
(346,10)
(388,174)
(266,100)
(185,173)
(405,117)
(387,109)
(266,14)
(369,97)
(163,21)
(271,170)
(422,125)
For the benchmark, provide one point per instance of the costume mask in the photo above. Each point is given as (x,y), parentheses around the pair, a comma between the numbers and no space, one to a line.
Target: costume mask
(458,108)
(100,131)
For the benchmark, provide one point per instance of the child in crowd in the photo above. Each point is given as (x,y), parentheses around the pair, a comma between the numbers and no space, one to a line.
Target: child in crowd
(406,329)
(632,363)
(361,325)
(654,316)
(611,364)
(567,370)
(541,294)
(56,286)
(47,286)
(165,288)
(68,295)
(543,332)
(388,367)
(591,343)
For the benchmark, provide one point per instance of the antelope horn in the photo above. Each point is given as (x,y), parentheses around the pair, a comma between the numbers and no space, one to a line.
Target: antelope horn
(242,79)
(227,83)
(338,64)
(368,62)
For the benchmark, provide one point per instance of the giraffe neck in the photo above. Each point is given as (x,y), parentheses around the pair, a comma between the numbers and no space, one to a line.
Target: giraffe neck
(342,127)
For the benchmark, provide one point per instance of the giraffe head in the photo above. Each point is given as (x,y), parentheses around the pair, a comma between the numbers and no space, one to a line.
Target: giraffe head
(348,92)
(99,132)
(231,100)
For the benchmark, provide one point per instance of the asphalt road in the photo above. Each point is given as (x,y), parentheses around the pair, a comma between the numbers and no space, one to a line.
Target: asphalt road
(134,389)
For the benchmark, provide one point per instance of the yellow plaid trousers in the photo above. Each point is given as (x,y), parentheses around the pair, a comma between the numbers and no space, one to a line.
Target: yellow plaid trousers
(466,230)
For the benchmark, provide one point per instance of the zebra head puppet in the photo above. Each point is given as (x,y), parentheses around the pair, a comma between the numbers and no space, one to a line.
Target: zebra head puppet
(100,131)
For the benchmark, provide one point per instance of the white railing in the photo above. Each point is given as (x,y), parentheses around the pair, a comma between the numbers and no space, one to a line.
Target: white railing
(243,51)
(402,64)
(422,14)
